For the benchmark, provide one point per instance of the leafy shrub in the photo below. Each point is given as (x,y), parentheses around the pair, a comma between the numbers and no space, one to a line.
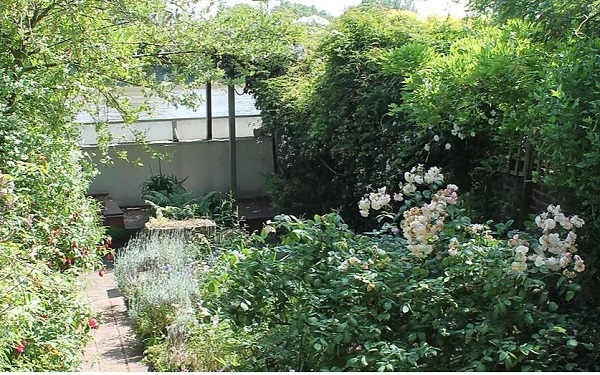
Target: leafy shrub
(329,113)
(500,88)
(163,184)
(50,232)
(167,198)
(207,344)
(44,321)
(447,295)
(158,274)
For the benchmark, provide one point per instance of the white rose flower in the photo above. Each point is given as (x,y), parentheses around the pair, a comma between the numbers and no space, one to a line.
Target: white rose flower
(539,261)
(519,266)
(579,264)
(576,221)
(521,249)
(409,188)
(565,260)
(364,205)
(548,225)
(539,222)
(553,263)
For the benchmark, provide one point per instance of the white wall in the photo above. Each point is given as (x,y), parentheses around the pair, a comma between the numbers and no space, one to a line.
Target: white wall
(204,163)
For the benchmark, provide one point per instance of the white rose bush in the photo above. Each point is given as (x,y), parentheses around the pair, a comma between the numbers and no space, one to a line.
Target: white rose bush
(513,284)
(428,290)
(553,251)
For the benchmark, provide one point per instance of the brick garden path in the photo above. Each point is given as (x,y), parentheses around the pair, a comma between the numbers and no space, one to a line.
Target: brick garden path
(113,347)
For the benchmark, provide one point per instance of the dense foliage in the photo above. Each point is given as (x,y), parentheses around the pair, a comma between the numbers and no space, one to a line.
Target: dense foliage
(445,295)
(168,198)
(50,232)
(56,58)
(383,90)
(329,114)
(349,107)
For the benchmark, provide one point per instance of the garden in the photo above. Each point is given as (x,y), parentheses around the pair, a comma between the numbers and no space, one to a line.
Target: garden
(407,243)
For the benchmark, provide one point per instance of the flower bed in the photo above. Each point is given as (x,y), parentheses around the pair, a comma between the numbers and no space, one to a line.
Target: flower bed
(428,290)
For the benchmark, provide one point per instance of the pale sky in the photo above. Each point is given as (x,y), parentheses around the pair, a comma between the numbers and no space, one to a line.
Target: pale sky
(337,7)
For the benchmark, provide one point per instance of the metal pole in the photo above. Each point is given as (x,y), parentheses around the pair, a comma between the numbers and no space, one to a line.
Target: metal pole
(232,138)
(208,111)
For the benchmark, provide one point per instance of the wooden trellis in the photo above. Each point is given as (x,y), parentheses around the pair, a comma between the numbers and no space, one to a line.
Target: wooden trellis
(522,162)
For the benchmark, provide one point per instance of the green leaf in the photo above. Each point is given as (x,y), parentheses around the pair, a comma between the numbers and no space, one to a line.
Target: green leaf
(552,306)
(571,343)
(570,366)
(570,295)
(383,317)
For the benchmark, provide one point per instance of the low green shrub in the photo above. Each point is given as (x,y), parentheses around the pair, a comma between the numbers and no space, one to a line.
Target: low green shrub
(167,198)
(208,344)
(159,274)
(155,273)
(429,291)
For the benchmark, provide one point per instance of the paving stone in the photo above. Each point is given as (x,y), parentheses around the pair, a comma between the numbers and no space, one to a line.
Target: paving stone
(113,347)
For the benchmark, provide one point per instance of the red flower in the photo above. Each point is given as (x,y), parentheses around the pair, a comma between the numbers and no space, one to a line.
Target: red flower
(101,273)
(20,348)
(92,323)
(69,261)
(110,256)
(74,245)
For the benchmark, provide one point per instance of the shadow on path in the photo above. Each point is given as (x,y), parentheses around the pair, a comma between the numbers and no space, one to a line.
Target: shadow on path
(113,347)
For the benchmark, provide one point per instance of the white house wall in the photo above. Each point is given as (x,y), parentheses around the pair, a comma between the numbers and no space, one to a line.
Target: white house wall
(204,163)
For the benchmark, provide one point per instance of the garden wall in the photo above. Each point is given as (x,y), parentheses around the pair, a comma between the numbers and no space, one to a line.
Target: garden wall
(205,164)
